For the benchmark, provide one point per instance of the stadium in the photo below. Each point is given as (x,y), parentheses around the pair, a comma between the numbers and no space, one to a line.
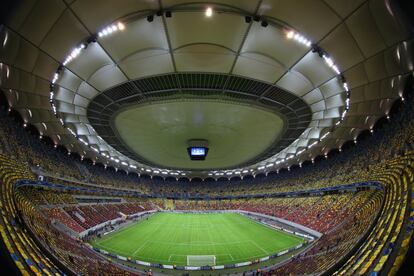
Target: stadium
(225,137)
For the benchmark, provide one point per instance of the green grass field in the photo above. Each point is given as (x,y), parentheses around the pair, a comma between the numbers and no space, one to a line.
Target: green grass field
(168,238)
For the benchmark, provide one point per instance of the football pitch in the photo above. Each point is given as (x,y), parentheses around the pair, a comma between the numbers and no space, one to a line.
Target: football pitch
(168,238)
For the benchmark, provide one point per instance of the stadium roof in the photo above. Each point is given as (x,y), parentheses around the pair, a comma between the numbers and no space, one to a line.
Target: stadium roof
(268,83)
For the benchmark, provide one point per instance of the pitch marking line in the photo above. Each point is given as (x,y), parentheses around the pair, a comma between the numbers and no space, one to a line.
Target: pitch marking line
(206,243)
(258,246)
(139,248)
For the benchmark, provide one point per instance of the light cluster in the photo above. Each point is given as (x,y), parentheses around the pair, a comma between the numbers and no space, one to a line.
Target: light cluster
(74,54)
(331,64)
(299,38)
(112,29)
(209,12)
(55,78)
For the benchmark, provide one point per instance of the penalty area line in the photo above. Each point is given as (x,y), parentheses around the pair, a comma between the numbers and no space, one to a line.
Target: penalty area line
(139,248)
(258,246)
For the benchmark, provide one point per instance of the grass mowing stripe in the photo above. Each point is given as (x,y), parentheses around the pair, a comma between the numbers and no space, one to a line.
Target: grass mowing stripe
(169,237)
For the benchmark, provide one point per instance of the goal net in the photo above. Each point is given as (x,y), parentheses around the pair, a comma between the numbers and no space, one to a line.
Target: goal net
(201,260)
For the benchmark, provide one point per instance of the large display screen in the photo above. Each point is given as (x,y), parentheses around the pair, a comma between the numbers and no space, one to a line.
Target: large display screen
(197,151)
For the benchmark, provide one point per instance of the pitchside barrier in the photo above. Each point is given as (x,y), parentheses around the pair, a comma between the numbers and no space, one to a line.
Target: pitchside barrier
(208,262)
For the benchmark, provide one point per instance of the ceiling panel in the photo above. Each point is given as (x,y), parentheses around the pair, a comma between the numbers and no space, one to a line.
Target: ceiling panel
(372,91)
(314,69)
(326,123)
(258,67)
(69,80)
(295,83)
(144,63)
(356,76)
(387,90)
(138,36)
(27,82)
(318,106)
(20,13)
(59,45)
(26,56)
(375,67)
(40,20)
(333,113)
(90,60)
(106,77)
(317,116)
(64,95)
(302,143)
(81,129)
(43,115)
(388,22)
(357,95)
(335,101)
(342,47)
(312,18)
(204,58)
(42,87)
(87,90)
(314,96)
(71,118)
(272,42)
(35,101)
(45,66)
(363,28)
(246,5)
(344,8)
(221,29)
(80,111)
(332,87)
(82,118)
(80,101)
(314,133)
(105,12)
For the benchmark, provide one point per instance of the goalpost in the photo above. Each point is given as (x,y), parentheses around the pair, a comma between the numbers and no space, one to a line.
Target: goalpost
(201,260)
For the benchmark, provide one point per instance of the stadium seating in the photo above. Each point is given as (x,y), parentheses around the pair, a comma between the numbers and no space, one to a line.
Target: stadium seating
(73,253)
(89,216)
(320,213)
(335,244)
(363,232)
(27,256)
(62,216)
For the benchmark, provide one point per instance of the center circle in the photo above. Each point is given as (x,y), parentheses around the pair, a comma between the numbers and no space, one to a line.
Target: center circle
(159,132)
